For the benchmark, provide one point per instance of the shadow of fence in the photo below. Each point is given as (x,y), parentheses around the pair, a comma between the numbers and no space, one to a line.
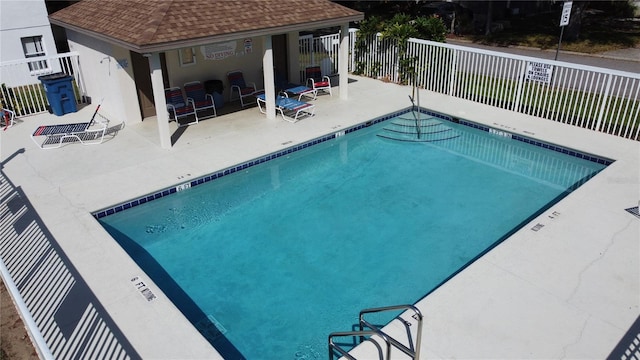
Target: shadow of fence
(62,314)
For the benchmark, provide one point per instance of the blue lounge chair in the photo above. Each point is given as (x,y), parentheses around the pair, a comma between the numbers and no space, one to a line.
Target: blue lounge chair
(290,109)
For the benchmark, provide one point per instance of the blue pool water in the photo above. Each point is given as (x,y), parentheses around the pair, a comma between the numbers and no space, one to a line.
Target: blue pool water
(269,260)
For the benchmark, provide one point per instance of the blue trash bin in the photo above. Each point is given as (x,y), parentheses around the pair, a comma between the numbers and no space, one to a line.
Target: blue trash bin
(59,90)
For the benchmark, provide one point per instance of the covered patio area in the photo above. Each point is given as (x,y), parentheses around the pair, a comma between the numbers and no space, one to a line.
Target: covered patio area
(165,45)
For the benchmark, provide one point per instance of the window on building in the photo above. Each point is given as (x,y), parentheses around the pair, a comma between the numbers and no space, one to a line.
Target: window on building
(32,47)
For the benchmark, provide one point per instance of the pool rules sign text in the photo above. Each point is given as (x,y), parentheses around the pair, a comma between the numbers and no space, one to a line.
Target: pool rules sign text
(539,72)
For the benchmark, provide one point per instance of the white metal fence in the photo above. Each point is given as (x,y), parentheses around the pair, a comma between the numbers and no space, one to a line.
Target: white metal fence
(377,58)
(319,51)
(22,91)
(595,98)
(599,99)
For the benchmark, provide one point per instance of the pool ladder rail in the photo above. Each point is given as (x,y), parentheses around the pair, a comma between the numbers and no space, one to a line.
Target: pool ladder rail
(410,349)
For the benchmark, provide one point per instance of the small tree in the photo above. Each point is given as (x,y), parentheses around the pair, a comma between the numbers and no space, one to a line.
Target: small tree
(400,28)
(368,27)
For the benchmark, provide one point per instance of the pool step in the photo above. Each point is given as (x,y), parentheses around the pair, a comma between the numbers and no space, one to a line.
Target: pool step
(424,129)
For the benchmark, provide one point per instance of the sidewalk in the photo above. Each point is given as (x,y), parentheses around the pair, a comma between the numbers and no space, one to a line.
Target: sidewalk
(631,54)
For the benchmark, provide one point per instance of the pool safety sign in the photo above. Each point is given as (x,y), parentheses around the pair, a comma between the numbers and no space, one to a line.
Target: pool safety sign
(539,72)
(219,51)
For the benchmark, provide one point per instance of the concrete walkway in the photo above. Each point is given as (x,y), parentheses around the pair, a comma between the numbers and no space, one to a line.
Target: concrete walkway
(569,290)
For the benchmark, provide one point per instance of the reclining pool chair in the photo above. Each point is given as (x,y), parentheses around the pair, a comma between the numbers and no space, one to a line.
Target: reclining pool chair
(239,87)
(316,81)
(179,108)
(87,133)
(291,110)
(203,102)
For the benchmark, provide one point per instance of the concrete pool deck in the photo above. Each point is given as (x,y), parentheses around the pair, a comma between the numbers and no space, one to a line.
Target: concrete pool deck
(570,289)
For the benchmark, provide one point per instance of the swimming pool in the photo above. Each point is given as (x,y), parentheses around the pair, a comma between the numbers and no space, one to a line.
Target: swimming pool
(279,252)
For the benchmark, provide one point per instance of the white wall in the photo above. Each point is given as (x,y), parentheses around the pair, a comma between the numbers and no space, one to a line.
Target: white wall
(249,60)
(108,75)
(22,18)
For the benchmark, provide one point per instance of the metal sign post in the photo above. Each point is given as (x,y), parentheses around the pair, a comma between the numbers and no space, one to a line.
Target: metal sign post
(564,21)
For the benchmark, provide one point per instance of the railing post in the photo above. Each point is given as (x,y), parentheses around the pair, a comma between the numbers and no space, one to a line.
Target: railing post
(603,103)
(352,48)
(519,86)
(75,61)
(453,68)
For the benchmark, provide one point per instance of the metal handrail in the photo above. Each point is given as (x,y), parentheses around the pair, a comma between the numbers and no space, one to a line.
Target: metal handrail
(361,334)
(413,353)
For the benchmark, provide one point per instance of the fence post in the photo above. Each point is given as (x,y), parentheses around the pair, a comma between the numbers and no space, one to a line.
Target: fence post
(77,71)
(453,68)
(603,103)
(352,48)
(520,85)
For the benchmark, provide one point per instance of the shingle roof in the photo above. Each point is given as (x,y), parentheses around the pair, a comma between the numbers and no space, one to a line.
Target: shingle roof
(158,25)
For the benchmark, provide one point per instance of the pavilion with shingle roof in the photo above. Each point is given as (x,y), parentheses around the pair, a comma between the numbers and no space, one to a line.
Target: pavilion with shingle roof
(105,29)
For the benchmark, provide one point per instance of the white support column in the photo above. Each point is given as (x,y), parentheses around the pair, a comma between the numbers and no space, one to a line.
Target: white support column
(343,62)
(269,77)
(159,101)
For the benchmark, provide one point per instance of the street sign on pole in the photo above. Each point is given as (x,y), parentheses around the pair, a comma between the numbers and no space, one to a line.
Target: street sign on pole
(564,21)
(566,13)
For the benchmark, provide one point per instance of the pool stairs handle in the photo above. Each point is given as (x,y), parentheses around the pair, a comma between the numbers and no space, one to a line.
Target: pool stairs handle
(414,353)
(333,346)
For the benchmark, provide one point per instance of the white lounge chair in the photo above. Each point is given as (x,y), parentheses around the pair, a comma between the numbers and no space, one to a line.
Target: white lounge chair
(179,108)
(316,81)
(87,133)
(203,102)
(239,87)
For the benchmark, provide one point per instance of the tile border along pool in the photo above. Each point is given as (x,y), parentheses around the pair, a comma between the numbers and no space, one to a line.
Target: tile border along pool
(568,290)
(233,169)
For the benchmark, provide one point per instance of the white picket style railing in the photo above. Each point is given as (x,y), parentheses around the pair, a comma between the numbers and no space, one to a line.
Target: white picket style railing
(595,98)
(22,91)
(599,99)
(319,51)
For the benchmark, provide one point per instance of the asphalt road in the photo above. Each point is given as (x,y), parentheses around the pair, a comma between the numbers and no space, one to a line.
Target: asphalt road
(623,60)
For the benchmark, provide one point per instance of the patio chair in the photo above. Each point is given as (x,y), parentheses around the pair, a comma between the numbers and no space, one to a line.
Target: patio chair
(87,133)
(203,102)
(7,118)
(291,110)
(239,87)
(179,108)
(316,81)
